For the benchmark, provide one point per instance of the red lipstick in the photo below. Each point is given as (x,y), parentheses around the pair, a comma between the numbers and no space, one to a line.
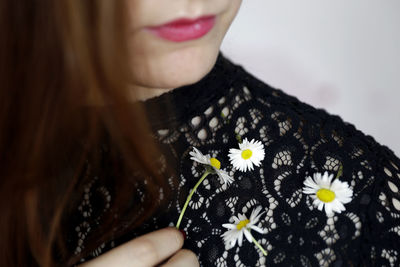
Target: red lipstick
(184,29)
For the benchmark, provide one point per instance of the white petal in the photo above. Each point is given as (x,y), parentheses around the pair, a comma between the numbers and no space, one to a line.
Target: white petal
(317,202)
(330,176)
(258,229)
(198,156)
(254,161)
(255,212)
(308,190)
(343,199)
(226,179)
(309,182)
(257,163)
(249,165)
(232,242)
(337,185)
(328,209)
(239,165)
(230,235)
(229,225)
(248,235)
(236,220)
(325,183)
(338,206)
(240,239)
(255,216)
(233,152)
(196,153)
(344,193)
(242,217)
(244,144)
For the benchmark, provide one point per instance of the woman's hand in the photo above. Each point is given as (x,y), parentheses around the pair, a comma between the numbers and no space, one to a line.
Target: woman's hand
(149,250)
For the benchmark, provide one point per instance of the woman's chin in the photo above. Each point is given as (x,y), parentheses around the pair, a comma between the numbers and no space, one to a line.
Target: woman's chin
(178,69)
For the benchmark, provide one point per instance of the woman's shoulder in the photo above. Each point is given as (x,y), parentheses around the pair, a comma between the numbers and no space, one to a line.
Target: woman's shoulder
(316,124)
(322,135)
(299,141)
(302,141)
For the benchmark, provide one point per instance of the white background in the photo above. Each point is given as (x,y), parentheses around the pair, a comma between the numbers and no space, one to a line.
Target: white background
(343,56)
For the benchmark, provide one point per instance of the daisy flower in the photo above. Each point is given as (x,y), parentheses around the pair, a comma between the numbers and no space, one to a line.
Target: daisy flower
(249,154)
(242,226)
(328,194)
(215,164)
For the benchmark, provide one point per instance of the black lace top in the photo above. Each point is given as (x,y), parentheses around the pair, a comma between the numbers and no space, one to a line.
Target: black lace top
(299,141)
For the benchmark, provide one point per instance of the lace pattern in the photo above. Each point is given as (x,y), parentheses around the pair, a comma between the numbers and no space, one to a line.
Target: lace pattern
(299,140)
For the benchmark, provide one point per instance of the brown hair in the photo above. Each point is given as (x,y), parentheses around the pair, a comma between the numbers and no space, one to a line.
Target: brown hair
(55,55)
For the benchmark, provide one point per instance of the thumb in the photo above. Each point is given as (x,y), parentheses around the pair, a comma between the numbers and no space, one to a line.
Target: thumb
(146,250)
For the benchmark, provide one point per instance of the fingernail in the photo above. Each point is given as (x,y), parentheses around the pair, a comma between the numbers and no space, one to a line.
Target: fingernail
(183,233)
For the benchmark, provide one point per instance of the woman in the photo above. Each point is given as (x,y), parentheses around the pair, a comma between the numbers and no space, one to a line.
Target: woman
(113,111)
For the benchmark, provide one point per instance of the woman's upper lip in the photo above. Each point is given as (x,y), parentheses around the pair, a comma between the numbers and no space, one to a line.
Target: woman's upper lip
(183,21)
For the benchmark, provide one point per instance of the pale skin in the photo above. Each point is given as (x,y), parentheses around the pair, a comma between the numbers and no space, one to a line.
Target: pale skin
(159,66)
(149,250)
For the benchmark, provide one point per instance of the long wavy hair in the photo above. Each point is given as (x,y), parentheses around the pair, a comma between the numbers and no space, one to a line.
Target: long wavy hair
(55,55)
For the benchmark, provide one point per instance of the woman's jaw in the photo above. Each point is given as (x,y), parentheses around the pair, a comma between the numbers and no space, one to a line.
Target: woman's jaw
(183,46)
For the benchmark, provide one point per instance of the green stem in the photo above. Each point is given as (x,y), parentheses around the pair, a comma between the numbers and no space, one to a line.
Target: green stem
(238,138)
(190,197)
(258,245)
(340,171)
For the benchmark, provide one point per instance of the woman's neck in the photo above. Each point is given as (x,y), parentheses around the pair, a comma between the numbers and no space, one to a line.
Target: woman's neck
(144,93)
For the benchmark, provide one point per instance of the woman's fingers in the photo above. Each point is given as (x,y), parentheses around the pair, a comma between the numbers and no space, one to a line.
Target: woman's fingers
(183,258)
(146,250)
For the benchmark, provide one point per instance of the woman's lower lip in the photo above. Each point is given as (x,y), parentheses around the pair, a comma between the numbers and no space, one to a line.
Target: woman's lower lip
(184,30)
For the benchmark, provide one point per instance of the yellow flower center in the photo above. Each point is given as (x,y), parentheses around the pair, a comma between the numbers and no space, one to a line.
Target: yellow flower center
(242,224)
(215,163)
(246,154)
(326,195)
